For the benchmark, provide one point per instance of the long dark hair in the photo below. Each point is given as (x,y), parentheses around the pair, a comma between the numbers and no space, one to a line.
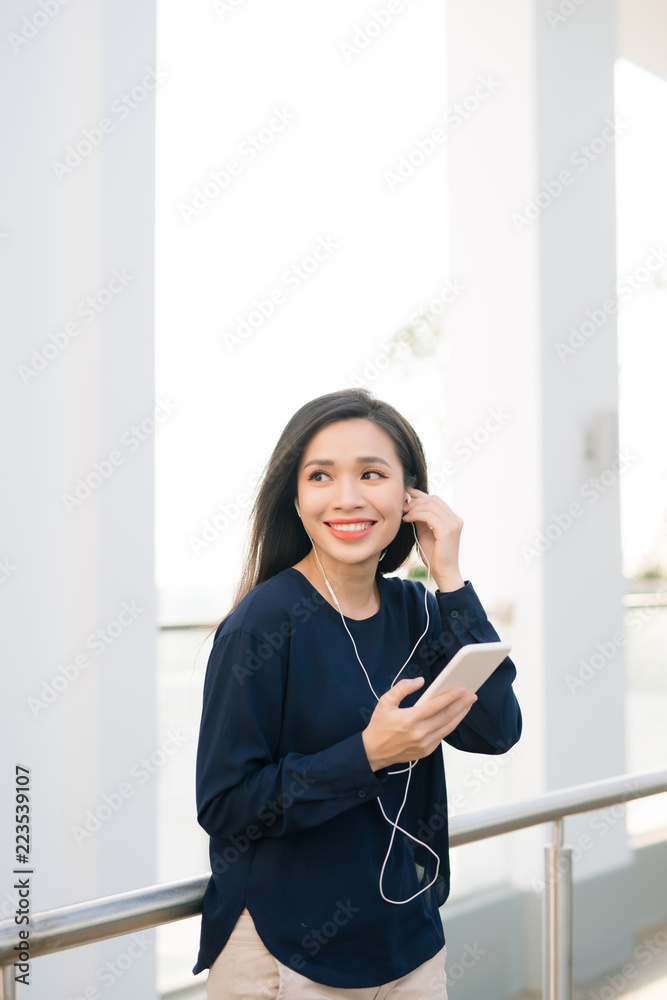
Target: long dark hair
(277,538)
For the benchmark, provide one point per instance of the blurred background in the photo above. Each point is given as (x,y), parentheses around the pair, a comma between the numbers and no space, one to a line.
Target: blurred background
(214,214)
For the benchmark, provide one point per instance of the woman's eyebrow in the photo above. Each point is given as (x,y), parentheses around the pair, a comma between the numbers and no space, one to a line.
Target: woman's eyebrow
(361,461)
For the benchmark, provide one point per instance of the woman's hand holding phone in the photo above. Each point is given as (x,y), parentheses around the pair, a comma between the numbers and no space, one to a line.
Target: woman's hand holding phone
(397,735)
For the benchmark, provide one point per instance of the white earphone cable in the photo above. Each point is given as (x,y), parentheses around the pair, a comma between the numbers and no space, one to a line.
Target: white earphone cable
(411,764)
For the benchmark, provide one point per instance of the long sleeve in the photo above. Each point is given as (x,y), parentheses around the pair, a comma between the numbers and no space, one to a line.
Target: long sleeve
(243,787)
(287,795)
(494,723)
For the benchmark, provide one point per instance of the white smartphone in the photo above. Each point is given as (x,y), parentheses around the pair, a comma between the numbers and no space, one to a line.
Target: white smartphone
(471,665)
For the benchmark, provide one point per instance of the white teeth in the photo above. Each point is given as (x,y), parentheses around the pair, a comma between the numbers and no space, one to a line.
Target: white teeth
(360,526)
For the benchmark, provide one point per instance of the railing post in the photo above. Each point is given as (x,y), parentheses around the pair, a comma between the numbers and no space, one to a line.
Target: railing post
(557,919)
(7,983)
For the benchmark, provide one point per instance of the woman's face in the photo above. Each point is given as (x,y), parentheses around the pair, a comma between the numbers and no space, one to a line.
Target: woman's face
(350,472)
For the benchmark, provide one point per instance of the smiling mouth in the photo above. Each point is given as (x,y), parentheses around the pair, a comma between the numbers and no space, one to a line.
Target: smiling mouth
(353,528)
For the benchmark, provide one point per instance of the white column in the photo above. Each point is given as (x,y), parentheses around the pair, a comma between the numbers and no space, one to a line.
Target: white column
(533,235)
(78,601)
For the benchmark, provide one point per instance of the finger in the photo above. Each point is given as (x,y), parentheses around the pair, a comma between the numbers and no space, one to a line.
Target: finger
(460,708)
(432,502)
(458,718)
(442,726)
(439,702)
(429,511)
(399,691)
(426,512)
(420,496)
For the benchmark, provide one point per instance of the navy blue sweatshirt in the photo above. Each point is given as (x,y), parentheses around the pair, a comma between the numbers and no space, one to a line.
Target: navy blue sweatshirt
(287,795)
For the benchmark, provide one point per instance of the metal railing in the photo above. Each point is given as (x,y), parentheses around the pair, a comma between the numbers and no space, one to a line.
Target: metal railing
(139,909)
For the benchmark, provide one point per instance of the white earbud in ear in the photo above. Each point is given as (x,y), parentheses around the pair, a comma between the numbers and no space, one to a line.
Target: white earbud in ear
(408,497)
(296,504)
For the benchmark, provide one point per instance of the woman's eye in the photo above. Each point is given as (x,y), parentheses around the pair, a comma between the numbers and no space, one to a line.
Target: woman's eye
(368,472)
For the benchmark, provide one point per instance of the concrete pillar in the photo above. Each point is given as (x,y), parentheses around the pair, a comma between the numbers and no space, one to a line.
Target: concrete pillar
(78,597)
(531,175)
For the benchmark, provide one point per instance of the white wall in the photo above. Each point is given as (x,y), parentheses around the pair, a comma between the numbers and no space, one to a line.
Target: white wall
(534,270)
(77,382)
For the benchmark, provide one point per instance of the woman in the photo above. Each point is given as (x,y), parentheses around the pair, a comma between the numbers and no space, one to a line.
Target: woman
(321,788)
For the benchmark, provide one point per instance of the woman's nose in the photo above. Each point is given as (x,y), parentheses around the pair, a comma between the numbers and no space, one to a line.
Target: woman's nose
(350,495)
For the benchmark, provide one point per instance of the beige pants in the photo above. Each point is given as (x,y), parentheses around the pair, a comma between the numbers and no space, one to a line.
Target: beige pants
(245,970)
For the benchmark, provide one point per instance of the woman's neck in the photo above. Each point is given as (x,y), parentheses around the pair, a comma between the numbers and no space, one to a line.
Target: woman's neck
(355,586)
